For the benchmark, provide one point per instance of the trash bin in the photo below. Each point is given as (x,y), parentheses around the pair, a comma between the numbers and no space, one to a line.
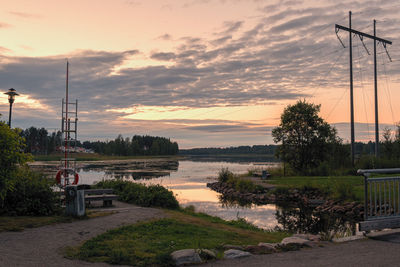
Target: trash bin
(265,174)
(75,200)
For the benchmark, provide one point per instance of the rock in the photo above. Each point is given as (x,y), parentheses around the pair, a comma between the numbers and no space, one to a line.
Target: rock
(314,238)
(234,253)
(232,247)
(207,254)
(185,256)
(268,245)
(296,240)
(256,250)
(261,249)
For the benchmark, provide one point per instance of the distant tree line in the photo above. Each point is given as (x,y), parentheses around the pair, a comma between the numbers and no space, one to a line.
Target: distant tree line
(137,145)
(256,149)
(39,142)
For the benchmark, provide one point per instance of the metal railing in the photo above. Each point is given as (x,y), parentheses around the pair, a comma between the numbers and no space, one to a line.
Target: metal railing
(381,194)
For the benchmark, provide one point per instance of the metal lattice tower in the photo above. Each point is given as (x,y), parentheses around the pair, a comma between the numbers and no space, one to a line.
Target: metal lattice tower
(69,128)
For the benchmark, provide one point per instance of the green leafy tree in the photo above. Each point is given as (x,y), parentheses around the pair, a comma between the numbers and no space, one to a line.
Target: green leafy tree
(306,138)
(11,156)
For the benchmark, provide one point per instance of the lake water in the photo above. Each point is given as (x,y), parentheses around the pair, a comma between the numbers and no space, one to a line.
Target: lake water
(188,183)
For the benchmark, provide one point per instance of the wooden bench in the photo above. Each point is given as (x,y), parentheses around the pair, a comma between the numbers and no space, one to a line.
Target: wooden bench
(263,174)
(100,194)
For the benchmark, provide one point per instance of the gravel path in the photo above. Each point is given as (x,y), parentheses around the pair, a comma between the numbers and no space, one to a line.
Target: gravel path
(382,251)
(43,246)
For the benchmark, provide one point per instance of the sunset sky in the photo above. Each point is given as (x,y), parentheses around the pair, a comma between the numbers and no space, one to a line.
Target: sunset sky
(201,72)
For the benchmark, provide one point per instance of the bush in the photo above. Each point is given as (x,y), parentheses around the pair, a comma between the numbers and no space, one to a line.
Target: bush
(224,175)
(11,156)
(31,194)
(371,162)
(342,191)
(245,186)
(140,194)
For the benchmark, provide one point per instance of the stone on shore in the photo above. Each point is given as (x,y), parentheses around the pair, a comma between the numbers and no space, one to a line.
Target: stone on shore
(294,240)
(311,237)
(185,256)
(227,246)
(234,253)
(268,246)
(260,249)
(207,254)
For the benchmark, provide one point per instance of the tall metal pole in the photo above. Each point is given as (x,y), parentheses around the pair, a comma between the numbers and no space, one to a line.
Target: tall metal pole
(351,92)
(9,115)
(376,98)
(66,125)
(384,43)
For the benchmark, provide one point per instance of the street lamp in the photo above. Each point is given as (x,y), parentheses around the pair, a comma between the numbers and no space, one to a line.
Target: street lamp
(11,97)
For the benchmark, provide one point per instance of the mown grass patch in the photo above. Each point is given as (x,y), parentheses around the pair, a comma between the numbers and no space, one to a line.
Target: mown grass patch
(150,243)
(19,223)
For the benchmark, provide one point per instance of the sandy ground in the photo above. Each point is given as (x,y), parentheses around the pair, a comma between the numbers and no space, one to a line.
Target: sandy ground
(43,246)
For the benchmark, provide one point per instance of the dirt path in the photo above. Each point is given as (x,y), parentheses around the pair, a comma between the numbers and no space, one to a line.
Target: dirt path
(43,246)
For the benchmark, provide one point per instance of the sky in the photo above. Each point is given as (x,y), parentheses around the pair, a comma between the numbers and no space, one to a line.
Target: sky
(205,73)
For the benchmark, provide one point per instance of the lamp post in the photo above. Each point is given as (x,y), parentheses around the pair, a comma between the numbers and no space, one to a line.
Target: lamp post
(11,97)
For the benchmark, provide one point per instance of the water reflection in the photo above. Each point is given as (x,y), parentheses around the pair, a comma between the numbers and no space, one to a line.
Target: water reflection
(306,219)
(187,180)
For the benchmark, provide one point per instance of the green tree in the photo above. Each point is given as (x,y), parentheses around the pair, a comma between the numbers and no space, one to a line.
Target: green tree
(306,138)
(387,145)
(11,156)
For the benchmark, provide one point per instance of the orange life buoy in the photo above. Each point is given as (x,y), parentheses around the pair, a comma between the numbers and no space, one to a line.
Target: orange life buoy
(58,177)
(76,178)
(62,173)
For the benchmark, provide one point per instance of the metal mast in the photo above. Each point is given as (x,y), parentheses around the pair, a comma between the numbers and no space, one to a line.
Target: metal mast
(351,93)
(69,130)
(376,97)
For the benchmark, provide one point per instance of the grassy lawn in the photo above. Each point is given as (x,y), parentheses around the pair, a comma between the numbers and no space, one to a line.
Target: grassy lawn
(19,223)
(95,157)
(150,243)
(333,185)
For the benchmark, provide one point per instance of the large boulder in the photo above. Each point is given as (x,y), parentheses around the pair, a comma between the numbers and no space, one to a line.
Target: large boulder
(185,256)
(235,253)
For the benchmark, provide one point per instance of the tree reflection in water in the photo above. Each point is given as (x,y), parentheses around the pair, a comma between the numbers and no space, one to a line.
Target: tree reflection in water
(301,217)
(230,202)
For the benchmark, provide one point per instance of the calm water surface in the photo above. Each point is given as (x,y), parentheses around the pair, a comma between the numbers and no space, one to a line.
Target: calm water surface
(188,183)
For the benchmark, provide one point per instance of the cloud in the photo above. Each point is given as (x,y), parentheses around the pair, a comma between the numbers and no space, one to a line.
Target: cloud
(163,56)
(232,26)
(221,128)
(25,15)
(165,37)
(290,52)
(4,25)
(4,50)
